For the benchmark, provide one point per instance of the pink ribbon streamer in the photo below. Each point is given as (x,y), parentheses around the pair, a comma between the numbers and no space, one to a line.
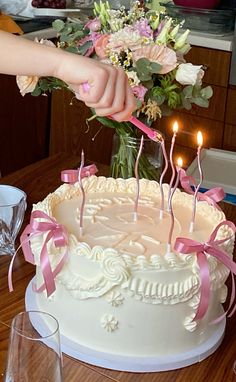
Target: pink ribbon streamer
(211,247)
(54,231)
(71,176)
(212,196)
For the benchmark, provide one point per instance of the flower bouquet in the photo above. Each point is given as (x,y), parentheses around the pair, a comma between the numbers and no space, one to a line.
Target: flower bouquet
(148,45)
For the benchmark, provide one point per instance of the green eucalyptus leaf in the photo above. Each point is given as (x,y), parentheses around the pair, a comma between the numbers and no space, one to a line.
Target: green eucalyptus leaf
(78,34)
(148,84)
(143,65)
(206,92)
(83,48)
(186,103)
(200,102)
(155,67)
(188,91)
(58,25)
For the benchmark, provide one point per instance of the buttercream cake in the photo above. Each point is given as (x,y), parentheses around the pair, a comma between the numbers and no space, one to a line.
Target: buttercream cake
(120,291)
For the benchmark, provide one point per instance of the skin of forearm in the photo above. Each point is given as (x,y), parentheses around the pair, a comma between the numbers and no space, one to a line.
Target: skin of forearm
(19,56)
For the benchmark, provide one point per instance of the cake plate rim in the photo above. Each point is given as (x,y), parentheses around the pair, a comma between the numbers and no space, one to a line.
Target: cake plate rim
(126,363)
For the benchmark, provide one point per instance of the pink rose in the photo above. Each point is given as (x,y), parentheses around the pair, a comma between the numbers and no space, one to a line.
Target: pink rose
(101,46)
(139,91)
(93,25)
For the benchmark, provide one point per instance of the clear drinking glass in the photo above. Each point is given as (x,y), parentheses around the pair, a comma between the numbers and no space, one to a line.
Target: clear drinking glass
(34,352)
(12,211)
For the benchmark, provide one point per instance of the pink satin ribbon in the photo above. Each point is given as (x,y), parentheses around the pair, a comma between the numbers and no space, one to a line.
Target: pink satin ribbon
(211,247)
(54,231)
(212,196)
(72,176)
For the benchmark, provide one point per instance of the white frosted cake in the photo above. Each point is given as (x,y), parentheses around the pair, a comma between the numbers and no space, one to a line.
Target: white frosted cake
(120,292)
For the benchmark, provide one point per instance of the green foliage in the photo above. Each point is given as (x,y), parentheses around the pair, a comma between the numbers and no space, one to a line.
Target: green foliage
(47,84)
(145,69)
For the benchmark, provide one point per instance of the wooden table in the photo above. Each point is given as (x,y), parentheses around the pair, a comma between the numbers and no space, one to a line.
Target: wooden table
(37,181)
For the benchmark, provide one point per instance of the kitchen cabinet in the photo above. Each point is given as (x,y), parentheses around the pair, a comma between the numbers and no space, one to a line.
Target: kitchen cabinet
(69,131)
(229,139)
(24,126)
(215,122)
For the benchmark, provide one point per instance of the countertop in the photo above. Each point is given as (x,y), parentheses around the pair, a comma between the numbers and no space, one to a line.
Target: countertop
(205,40)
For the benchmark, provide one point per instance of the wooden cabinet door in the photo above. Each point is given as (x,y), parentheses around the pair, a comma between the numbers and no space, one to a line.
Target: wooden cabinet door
(24,126)
(70,133)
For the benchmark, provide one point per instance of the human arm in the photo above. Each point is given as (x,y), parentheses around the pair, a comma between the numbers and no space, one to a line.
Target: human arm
(109,92)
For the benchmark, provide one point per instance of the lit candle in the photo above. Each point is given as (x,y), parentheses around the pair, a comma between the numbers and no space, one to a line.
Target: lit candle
(137,180)
(83,194)
(178,168)
(199,142)
(175,130)
(162,177)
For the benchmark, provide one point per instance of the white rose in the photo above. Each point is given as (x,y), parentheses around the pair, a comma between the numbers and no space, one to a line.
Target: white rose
(189,74)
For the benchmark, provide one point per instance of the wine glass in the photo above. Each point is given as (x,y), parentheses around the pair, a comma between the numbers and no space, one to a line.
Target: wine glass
(34,349)
(12,211)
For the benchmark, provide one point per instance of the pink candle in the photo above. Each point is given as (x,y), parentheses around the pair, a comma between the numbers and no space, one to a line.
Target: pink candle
(200,142)
(175,130)
(178,168)
(162,177)
(83,194)
(137,180)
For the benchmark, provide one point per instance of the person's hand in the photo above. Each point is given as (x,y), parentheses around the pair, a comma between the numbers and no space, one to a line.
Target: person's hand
(109,93)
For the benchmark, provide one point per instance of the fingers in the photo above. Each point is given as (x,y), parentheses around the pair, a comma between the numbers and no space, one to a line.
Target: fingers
(109,94)
(129,105)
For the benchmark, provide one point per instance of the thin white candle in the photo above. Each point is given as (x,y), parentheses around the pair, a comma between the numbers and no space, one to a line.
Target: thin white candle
(178,167)
(200,142)
(83,194)
(175,130)
(137,180)
(162,177)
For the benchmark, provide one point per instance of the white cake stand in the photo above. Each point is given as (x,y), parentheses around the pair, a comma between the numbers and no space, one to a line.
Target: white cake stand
(126,363)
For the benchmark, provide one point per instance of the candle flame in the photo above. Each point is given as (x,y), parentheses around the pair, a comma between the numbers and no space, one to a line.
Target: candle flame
(175,127)
(199,138)
(180,162)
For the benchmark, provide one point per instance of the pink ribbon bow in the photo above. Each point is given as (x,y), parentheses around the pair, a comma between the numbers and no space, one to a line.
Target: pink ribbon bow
(212,196)
(211,247)
(54,231)
(71,176)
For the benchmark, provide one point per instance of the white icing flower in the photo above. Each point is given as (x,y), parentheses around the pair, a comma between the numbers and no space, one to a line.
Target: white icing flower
(115,298)
(114,267)
(109,322)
